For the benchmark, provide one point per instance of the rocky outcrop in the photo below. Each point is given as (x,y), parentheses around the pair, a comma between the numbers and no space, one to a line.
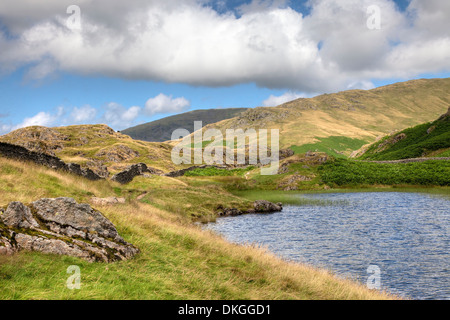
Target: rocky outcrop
(264,206)
(259,206)
(390,141)
(39,139)
(118,153)
(446,115)
(310,158)
(133,171)
(84,172)
(22,154)
(64,227)
(98,168)
(286,153)
(290,183)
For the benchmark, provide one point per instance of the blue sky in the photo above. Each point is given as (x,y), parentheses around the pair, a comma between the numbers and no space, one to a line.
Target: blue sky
(126,63)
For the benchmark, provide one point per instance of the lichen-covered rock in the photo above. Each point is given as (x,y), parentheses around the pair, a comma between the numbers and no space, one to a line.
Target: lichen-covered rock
(37,138)
(17,215)
(62,226)
(118,153)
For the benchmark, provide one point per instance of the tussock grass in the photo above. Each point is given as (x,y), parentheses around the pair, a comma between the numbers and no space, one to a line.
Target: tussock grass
(26,182)
(356,114)
(178,260)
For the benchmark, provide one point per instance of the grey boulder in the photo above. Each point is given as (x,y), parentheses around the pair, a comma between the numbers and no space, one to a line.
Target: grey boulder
(62,226)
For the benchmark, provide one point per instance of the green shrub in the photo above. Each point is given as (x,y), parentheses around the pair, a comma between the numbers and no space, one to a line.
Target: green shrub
(344,173)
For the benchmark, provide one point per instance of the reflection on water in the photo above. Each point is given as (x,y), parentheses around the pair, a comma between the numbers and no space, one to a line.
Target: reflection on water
(404,234)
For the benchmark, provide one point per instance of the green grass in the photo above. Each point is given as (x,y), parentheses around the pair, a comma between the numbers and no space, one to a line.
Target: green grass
(344,172)
(445,153)
(285,197)
(213,171)
(178,260)
(336,146)
(418,142)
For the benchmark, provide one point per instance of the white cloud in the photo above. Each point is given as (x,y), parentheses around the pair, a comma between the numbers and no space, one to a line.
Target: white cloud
(44,119)
(269,44)
(82,115)
(274,101)
(166,104)
(119,117)
(114,114)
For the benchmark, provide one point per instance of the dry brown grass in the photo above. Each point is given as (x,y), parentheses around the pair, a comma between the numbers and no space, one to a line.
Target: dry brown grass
(178,260)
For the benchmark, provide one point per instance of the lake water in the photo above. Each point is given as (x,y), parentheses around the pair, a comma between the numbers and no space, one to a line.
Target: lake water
(405,235)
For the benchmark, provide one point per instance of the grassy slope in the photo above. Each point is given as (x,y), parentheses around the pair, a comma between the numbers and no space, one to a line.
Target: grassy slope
(430,139)
(355,114)
(84,144)
(178,260)
(339,147)
(353,173)
(310,174)
(161,130)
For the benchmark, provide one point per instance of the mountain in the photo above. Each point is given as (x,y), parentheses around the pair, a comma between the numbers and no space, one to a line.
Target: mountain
(431,139)
(343,122)
(161,130)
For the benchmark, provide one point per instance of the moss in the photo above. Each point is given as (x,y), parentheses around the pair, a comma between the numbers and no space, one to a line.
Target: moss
(6,233)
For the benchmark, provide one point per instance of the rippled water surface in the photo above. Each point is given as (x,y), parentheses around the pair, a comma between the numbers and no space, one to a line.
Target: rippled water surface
(404,234)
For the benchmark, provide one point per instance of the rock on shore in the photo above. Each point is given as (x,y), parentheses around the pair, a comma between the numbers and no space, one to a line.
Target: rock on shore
(259,206)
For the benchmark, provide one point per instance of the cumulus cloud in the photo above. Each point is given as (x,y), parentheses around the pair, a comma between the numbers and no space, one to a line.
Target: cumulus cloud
(82,115)
(40,119)
(45,119)
(120,117)
(166,104)
(113,114)
(266,42)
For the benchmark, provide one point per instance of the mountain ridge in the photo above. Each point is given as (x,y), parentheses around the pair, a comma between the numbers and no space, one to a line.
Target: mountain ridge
(357,114)
(161,130)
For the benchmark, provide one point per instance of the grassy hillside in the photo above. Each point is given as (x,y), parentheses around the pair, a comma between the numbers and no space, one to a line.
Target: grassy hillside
(431,139)
(177,261)
(356,173)
(339,147)
(95,146)
(161,130)
(360,115)
(180,261)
